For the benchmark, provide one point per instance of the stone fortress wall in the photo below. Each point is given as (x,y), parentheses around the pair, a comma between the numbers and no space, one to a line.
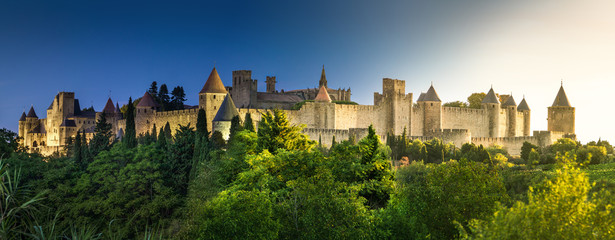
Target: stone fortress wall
(393,112)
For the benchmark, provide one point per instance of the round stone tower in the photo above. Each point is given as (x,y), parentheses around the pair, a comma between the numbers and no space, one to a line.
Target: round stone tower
(561,114)
(510,107)
(432,110)
(525,110)
(212,95)
(491,104)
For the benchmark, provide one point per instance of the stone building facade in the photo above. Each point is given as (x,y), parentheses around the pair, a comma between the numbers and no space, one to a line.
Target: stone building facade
(393,111)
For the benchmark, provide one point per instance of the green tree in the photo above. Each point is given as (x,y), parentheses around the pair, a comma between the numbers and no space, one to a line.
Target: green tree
(78,152)
(377,176)
(239,215)
(275,132)
(431,198)
(167,132)
(559,210)
(9,143)
(177,98)
(102,136)
(130,135)
(526,149)
(153,90)
(177,166)
(459,104)
(235,127)
(201,123)
(163,97)
(248,123)
(475,100)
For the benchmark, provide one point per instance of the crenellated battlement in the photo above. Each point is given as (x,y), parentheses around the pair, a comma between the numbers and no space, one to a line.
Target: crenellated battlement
(177,112)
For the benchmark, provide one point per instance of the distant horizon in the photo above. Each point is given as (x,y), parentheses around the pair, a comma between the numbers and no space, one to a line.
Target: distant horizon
(115,48)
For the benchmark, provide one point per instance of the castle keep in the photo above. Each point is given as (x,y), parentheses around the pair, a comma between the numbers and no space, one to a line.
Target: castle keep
(325,113)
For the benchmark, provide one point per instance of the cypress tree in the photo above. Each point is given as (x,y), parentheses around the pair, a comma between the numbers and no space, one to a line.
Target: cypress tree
(235,127)
(248,124)
(154,134)
(130,137)
(333,141)
(167,132)
(201,123)
(77,155)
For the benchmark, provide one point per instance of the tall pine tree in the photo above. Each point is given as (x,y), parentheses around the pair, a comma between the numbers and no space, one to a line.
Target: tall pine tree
(77,152)
(163,97)
(130,136)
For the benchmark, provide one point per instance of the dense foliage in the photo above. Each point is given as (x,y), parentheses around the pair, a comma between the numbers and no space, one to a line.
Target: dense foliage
(276,183)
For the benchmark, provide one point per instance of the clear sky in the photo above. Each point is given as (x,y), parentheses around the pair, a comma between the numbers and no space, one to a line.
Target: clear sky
(99,49)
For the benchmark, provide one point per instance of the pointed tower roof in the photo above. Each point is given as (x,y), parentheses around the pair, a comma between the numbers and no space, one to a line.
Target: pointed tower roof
(491,97)
(523,106)
(31,113)
(76,107)
(510,101)
(421,97)
(23,117)
(214,83)
(561,100)
(109,108)
(323,78)
(117,108)
(431,95)
(227,110)
(323,95)
(146,101)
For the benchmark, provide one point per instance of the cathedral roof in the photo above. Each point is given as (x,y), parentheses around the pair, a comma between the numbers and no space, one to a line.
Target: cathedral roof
(510,101)
(523,106)
(214,83)
(23,117)
(227,110)
(323,78)
(323,95)
(491,97)
(109,108)
(146,101)
(31,113)
(68,123)
(561,100)
(430,96)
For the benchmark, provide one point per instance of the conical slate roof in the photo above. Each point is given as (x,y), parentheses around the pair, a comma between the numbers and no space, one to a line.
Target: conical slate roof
(491,97)
(146,101)
(227,110)
(117,108)
(31,113)
(214,83)
(323,95)
(421,97)
(523,106)
(77,107)
(109,108)
(23,117)
(561,100)
(431,95)
(510,101)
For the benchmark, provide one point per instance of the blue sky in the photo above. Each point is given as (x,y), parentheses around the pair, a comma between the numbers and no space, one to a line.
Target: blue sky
(117,48)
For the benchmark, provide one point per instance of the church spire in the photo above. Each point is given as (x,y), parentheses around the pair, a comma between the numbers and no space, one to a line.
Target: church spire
(323,78)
